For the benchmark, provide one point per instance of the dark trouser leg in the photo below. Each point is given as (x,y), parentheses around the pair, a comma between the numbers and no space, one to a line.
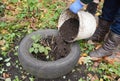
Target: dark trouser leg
(115,27)
(109,10)
(113,39)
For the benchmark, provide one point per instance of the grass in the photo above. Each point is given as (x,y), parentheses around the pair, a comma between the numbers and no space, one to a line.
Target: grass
(21,18)
(25,16)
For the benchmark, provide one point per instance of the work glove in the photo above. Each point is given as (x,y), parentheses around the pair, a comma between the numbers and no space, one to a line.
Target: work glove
(76,6)
(92,8)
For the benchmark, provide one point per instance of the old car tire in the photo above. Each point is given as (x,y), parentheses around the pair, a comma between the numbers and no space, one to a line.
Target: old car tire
(44,69)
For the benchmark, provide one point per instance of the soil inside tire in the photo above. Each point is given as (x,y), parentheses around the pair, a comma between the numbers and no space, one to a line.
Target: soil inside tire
(59,44)
(69,29)
(59,48)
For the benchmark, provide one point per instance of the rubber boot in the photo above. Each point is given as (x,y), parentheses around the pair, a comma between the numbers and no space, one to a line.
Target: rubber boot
(107,48)
(101,31)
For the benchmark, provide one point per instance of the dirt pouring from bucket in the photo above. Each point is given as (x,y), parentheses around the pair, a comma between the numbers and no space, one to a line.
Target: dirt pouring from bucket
(69,29)
(59,45)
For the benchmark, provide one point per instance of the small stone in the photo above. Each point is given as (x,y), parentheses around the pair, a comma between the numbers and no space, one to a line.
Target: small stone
(64,77)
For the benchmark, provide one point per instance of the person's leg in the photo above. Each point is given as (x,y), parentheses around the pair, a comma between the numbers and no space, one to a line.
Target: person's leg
(109,10)
(115,27)
(113,39)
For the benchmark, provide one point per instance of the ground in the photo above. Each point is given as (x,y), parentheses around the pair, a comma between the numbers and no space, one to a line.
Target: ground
(23,17)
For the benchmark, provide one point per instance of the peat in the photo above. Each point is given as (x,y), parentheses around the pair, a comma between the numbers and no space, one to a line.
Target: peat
(59,48)
(59,44)
(69,29)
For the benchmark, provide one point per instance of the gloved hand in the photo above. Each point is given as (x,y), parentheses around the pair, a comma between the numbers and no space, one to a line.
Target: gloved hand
(92,8)
(76,6)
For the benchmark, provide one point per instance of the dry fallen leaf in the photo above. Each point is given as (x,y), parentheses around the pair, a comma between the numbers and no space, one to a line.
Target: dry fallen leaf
(10,18)
(81,60)
(2,42)
(72,0)
(23,77)
(4,31)
(10,7)
(96,59)
(5,75)
(101,79)
(97,14)
(4,0)
(93,78)
(96,64)
(3,48)
(98,46)
(84,54)
(90,42)
(112,60)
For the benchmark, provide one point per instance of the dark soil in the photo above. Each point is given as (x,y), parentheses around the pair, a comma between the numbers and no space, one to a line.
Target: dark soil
(69,29)
(59,48)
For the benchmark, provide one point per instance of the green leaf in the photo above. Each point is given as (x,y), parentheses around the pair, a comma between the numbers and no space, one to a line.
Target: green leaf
(2,70)
(8,79)
(46,52)
(87,60)
(33,37)
(36,51)
(16,47)
(14,1)
(1,58)
(16,78)
(47,57)
(31,50)
(48,48)
(41,49)
(35,45)
(31,79)
(81,79)
(32,1)
(3,24)
(31,8)
(8,64)
(16,53)
(7,60)
(36,38)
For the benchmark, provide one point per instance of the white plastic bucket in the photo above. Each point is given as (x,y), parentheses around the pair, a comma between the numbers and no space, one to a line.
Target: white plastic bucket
(87,23)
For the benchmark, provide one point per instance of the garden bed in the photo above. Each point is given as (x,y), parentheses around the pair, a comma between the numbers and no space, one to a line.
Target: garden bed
(22,18)
(15,71)
(57,48)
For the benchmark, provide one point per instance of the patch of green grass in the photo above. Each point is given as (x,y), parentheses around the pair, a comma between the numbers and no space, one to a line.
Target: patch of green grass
(85,47)
(45,13)
(24,17)
(27,16)
(112,70)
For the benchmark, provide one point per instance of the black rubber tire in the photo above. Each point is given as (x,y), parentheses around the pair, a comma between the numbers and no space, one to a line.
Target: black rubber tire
(44,69)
